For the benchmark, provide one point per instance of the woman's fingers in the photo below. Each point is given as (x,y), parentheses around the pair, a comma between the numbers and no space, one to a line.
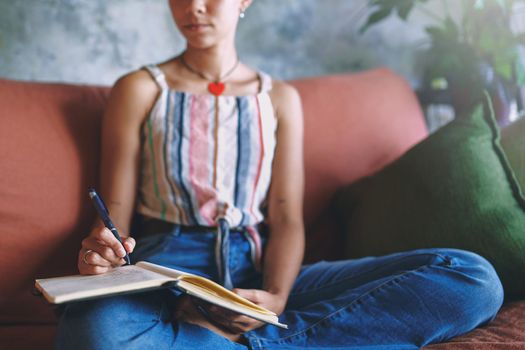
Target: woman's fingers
(232,321)
(101,251)
(129,244)
(104,251)
(237,324)
(91,257)
(84,265)
(93,270)
(104,242)
(106,237)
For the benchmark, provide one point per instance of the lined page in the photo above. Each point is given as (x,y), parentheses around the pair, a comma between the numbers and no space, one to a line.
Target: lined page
(126,278)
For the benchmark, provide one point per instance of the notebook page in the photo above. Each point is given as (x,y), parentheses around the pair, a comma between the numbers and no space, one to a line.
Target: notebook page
(61,289)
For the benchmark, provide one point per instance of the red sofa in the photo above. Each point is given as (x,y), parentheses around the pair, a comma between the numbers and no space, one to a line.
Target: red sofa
(49,146)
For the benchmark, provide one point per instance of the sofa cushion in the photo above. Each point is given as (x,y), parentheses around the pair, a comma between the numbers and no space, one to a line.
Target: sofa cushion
(506,332)
(354,124)
(454,189)
(49,138)
(28,337)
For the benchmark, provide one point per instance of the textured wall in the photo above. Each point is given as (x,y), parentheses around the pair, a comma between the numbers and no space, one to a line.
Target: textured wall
(95,41)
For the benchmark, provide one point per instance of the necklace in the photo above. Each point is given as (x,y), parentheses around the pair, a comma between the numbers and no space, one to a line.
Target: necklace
(215,87)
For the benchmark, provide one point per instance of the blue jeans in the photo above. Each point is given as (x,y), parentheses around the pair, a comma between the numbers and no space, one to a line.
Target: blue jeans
(399,301)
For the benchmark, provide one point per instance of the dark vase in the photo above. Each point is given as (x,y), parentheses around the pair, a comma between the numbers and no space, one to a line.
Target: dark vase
(467,91)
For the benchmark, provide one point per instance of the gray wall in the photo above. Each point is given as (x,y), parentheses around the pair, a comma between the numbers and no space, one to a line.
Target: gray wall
(95,41)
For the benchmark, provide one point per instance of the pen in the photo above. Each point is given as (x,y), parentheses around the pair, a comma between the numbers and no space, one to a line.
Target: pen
(104,215)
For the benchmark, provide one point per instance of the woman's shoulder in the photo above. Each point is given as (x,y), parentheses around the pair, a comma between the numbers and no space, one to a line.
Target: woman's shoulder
(285,98)
(281,88)
(137,82)
(136,87)
(133,94)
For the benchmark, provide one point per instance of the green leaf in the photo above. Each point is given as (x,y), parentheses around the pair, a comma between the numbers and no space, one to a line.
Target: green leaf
(439,83)
(451,28)
(403,10)
(520,38)
(442,37)
(375,17)
(479,4)
(434,31)
(504,70)
(505,4)
(520,73)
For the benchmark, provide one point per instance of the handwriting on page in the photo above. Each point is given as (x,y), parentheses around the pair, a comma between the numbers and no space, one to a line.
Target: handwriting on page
(118,277)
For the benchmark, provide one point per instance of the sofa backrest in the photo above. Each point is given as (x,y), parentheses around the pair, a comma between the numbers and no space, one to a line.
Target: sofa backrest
(49,145)
(49,136)
(355,124)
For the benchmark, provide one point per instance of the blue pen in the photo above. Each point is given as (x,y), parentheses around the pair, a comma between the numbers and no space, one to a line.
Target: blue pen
(104,215)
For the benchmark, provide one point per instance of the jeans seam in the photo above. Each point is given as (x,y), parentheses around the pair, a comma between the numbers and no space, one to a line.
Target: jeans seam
(395,279)
(446,259)
(252,340)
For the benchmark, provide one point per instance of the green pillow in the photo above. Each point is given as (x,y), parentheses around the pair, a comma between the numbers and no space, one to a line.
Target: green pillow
(513,142)
(455,189)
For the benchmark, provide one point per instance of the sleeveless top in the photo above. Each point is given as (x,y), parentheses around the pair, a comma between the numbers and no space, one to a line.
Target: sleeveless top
(207,157)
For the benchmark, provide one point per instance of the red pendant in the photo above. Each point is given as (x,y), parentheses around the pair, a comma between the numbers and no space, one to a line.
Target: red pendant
(216,88)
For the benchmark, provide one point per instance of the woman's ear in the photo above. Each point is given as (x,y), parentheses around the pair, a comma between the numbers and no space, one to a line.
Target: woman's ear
(245,4)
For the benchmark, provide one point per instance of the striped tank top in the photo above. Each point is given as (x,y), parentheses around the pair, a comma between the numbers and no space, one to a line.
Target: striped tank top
(207,157)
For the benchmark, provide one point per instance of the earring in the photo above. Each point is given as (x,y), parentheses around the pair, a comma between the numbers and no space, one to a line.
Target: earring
(241,15)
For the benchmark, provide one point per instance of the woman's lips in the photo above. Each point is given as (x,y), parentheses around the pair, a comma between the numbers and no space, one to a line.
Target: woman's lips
(196,27)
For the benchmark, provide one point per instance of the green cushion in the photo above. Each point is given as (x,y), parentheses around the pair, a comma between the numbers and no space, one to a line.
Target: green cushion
(513,142)
(455,189)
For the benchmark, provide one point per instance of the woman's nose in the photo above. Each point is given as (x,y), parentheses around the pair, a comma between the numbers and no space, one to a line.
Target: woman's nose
(197,6)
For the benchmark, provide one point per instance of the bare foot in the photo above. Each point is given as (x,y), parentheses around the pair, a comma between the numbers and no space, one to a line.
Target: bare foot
(187,311)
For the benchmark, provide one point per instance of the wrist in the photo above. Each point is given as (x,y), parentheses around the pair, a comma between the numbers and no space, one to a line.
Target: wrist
(277,293)
(280,298)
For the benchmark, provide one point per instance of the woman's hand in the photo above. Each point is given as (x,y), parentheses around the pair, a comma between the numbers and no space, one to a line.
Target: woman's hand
(101,252)
(237,323)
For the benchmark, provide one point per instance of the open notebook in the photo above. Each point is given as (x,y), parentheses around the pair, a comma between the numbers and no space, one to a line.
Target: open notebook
(146,276)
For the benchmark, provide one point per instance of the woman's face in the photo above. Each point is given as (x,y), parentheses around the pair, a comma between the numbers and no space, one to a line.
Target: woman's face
(205,23)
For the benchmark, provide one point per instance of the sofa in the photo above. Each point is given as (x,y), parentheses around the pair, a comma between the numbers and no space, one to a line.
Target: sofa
(355,124)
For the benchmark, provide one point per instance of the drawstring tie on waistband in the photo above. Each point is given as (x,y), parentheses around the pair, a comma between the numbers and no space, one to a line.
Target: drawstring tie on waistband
(222,253)
(222,250)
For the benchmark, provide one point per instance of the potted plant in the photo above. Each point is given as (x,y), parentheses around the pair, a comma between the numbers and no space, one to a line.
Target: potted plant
(474,51)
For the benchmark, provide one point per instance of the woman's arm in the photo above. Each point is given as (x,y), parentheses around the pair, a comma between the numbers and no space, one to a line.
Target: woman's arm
(129,103)
(285,248)
(130,100)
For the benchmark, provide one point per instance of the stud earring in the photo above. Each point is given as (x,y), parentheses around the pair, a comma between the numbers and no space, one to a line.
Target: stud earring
(241,15)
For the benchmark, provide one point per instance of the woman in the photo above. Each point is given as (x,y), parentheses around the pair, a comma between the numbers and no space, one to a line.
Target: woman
(208,152)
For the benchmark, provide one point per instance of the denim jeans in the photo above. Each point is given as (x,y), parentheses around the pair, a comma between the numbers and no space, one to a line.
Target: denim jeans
(399,301)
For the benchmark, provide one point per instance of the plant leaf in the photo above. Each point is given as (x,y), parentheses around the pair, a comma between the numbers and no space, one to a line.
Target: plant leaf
(504,69)
(403,9)
(479,4)
(451,28)
(375,17)
(502,4)
(520,73)
(520,38)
